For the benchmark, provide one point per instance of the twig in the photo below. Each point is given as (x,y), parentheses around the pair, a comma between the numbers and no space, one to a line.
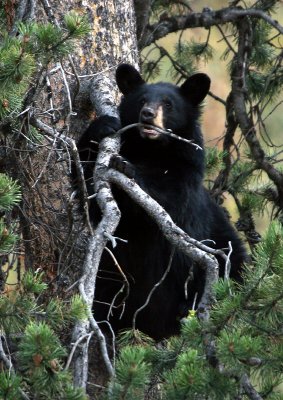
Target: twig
(81,182)
(189,278)
(126,282)
(75,157)
(227,263)
(98,334)
(70,111)
(206,18)
(246,124)
(75,345)
(160,130)
(249,389)
(45,164)
(193,248)
(8,363)
(166,272)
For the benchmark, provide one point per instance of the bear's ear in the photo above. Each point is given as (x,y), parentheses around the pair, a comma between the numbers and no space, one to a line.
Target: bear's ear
(195,88)
(128,78)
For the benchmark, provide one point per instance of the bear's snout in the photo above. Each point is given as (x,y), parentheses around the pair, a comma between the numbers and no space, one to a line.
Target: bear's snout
(148,114)
(152,115)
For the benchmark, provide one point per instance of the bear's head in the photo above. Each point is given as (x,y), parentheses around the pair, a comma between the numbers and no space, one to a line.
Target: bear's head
(162,105)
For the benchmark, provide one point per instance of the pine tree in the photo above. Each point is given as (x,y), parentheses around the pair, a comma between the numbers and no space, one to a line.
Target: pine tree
(26,323)
(224,358)
(236,351)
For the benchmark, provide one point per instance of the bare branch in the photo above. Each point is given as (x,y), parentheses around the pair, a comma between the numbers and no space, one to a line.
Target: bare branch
(75,345)
(249,389)
(246,124)
(75,157)
(166,272)
(102,95)
(162,131)
(191,247)
(206,19)
(8,364)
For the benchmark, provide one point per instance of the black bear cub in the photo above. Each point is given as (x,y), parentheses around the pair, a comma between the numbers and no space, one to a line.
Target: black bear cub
(171,171)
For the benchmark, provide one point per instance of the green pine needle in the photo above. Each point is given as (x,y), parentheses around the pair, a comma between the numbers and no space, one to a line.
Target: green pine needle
(132,373)
(10,193)
(10,386)
(32,282)
(77,25)
(78,310)
(7,238)
(213,160)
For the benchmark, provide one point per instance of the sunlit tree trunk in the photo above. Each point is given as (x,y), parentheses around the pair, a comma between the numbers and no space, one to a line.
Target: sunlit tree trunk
(63,92)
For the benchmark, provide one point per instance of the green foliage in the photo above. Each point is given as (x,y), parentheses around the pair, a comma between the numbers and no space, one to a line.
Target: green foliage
(9,196)
(262,52)
(40,348)
(213,160)
(185,381)
(35,44)
(253,202)
(201,51)
(76,25)
(40,358)
(188,54)
(241,175)
(266,5)
(132,374)
(32,282)
(78,309)
(15,65)
(10,386)
(233,347)
(10,193)
(7,238)
(40,353)
(134,337)
(170,7)
(243,336)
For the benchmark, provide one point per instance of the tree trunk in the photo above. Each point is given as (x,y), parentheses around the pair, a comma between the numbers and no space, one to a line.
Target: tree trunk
(63,99)
(65,89)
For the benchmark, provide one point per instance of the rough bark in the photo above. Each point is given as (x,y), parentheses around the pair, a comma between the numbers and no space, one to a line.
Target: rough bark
(63,98)
(65,89)
(142,8)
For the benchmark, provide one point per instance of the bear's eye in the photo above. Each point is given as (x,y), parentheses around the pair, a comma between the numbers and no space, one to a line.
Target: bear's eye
(143,101)
(167,104)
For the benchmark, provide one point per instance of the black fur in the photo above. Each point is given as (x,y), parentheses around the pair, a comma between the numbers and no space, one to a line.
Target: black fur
(170,171)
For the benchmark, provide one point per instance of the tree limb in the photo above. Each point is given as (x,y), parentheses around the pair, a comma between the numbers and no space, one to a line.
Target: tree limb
(205,19)
(101,96)
(238,74)
(197,251)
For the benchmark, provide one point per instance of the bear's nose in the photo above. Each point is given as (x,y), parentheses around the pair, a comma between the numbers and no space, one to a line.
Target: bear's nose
(147,114)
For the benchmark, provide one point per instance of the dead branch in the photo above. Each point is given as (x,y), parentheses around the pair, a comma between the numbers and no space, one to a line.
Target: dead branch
(102,96)
(166,272)
(191,247)
(8,364)
(197,251)
(238,74)
(204,19)
(249,389)
(166,132)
